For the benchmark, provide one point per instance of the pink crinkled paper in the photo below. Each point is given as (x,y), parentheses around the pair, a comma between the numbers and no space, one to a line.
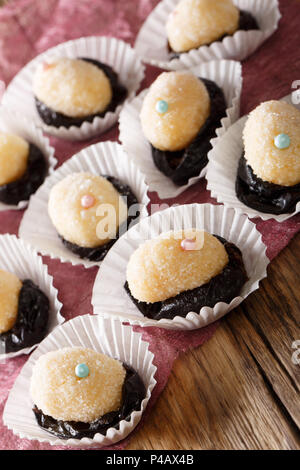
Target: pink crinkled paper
(28,27)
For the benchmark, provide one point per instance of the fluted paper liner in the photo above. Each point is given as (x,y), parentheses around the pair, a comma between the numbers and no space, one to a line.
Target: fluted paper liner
(152,43)
(228,76)
(222,171)
(116,53)
(105,158)
(109,296)
(19,258)
(15,123)
(89,331)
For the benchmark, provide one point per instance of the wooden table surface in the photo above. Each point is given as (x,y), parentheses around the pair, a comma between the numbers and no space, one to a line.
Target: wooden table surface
(240,390)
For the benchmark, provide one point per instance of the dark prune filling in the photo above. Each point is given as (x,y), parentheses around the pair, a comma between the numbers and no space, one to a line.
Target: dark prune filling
(56,119)
(98,253)
(133,393)
(222,288)
(35,174)
(262,195)
(32,320)
(182,165)
(247,22)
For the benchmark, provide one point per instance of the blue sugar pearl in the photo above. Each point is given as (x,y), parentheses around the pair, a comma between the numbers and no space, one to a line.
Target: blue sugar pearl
(82,371)
(282,141)
(162,106)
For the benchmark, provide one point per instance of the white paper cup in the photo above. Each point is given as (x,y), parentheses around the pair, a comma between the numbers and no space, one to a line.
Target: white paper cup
(152,43)
(105,158)
(109,297)
(119,55)
(19,258)
(15,123)
(89,331)
(228,76)
(222,171)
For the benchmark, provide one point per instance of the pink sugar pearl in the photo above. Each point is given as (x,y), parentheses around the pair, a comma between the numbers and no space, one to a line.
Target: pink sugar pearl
(189,244)
(87,201)
(47,66)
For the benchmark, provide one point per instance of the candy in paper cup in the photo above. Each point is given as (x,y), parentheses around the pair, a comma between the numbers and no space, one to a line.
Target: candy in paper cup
(116,53)
(88,331)
(152,42)
(222,171)
(19,258)
(15,123)
(105,158)
(228,76)
(109,296)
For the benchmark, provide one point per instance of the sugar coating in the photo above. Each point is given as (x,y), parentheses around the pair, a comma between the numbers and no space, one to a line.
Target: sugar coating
(188,109)
(10,287)
(73,87)
(279,166)
(13,157)
(160,268)
(58,392)
(77,224)
(194,23)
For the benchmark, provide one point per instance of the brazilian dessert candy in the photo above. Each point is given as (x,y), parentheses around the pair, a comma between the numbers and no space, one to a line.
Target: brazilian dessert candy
(183,271)
(89,212)
(268,175)
(78,392)
(179,117)
(24,312)
(23,168)
(195,23)
(69,92)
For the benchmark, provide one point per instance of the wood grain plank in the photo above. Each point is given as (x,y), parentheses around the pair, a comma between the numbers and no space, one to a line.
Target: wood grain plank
(274,312)
(216,398)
